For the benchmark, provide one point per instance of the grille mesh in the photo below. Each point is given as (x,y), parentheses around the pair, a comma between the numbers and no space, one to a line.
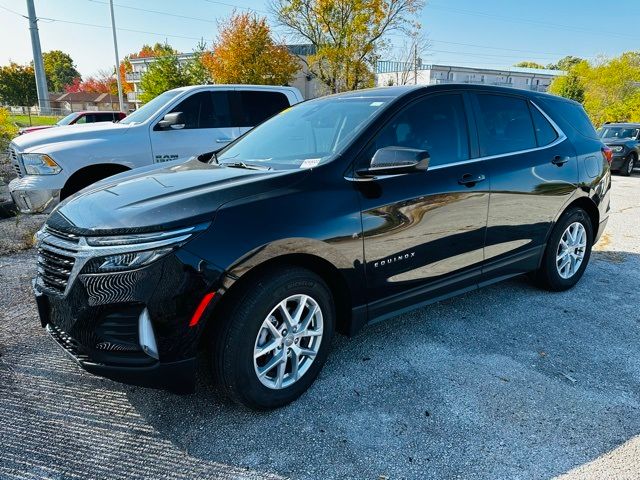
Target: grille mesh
(54,269)
(14,157)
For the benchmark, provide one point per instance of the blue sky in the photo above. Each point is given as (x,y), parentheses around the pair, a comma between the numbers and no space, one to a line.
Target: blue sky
(490,33)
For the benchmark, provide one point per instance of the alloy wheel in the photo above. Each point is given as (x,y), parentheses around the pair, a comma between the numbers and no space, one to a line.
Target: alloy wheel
(288,341)
(571,250)
(630,165)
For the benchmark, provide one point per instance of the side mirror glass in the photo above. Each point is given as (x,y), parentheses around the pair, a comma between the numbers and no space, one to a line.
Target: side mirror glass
(173,120)
(396,161)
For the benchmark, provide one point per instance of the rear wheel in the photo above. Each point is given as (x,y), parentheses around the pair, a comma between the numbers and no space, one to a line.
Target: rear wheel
(568,251)
(629,165)
(273,341)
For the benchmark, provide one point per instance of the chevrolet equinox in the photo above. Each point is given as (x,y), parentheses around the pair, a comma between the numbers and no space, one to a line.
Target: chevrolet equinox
(335,213)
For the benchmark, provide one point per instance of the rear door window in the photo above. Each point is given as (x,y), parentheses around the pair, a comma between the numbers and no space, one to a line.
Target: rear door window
(574,114)
(256,106)
(504,124)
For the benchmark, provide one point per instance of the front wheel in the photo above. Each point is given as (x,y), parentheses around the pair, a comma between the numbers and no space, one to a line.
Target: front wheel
(274,340)
(629,165)
(568,251)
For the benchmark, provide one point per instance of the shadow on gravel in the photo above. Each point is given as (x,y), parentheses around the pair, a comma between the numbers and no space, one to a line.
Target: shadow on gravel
(506,382)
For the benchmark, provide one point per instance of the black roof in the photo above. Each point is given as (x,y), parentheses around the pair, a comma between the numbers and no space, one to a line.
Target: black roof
(401,90)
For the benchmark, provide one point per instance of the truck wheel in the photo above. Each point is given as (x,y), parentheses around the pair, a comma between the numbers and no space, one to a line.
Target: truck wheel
(274,339)
(567,253)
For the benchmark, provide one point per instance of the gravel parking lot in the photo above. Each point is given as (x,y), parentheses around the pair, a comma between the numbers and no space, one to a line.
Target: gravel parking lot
(508,382)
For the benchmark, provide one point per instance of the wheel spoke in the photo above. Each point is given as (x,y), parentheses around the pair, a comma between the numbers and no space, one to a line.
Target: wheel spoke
(295,364)
(286,315)
(282,366)
(271,346)
(297,314)
(311,333)
(275,360)
(307,352)
(272,328)
(307,321)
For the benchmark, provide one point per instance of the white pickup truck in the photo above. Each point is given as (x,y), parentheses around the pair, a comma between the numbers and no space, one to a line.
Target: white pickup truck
(54,163)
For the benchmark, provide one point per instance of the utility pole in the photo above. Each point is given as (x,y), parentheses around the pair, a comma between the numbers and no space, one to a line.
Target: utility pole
(415,63)
(115,47)
(38,64)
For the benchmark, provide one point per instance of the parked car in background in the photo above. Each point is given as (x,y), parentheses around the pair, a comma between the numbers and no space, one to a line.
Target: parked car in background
(78,118)
(55,163)
(340,211)
(624,141)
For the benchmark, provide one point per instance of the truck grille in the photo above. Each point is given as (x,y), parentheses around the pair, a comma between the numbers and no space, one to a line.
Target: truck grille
(14,156)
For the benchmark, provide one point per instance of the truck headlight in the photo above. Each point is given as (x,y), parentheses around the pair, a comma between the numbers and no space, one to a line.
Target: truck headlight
(40,164)
(617,148)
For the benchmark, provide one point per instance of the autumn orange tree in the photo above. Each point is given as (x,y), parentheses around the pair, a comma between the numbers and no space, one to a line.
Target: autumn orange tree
(347,35)
(245,52)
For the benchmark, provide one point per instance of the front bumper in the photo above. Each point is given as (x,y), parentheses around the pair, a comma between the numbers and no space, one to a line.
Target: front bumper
(35,193)
(97,319)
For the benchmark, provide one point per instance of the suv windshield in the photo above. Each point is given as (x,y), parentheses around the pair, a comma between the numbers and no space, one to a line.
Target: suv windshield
(67,120)
(305,135)
(149,109)
(619,132)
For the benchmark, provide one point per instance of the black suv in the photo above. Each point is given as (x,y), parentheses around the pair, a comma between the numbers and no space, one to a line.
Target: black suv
(335,213)
(624,141)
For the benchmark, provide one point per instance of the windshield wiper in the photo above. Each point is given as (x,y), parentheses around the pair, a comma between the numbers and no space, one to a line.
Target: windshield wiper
(248,166)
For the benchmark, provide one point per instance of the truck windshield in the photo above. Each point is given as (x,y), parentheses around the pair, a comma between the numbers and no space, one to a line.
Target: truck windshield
(67,120)
(305,135)
(151,108)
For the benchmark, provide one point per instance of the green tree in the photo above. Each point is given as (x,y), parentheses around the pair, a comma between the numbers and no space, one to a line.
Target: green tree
(568,86)
(611,87)
(60,70)
(347,34)
(163,74)
(195,69)
(18,85)
(565,63)
(529,65)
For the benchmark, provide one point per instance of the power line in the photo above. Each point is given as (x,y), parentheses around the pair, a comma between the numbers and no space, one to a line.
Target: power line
(237,6)
(119,5)
(119,28)
(13,11)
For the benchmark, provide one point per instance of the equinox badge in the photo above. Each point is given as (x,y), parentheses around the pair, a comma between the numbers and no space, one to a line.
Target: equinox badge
(394,259)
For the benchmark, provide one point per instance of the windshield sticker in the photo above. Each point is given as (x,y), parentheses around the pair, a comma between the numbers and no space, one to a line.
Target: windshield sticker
(310,163)
(375,104)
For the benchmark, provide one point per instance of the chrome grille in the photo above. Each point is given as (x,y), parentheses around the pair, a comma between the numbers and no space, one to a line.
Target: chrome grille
(14,156)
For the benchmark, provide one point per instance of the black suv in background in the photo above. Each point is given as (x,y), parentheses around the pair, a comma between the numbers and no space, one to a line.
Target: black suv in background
(335,213)
(624,141)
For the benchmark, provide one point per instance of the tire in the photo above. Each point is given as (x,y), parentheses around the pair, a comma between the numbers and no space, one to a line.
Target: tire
(550,276)
(244,330)
(629,165)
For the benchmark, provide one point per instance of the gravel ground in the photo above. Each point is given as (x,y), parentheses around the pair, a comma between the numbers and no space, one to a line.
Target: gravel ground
(508,382)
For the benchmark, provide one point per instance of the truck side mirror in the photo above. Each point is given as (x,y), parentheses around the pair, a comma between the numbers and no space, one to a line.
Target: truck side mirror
(174,120)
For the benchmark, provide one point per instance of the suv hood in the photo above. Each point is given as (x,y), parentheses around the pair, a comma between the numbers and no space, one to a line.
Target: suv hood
(47,136)
(158,198)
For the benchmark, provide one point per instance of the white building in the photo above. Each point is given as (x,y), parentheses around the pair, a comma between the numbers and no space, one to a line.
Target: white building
(400,73)
(308,85)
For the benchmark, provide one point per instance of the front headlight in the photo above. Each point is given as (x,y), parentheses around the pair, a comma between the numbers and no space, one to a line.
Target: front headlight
(132,260)
(40,164)
(617,148)
(128,252)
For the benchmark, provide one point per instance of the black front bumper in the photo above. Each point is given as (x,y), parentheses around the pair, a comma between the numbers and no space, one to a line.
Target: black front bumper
(618,162)
(178,377)
(96,320)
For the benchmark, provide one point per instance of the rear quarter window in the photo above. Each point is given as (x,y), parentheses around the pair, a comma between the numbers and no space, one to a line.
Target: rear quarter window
(574,115)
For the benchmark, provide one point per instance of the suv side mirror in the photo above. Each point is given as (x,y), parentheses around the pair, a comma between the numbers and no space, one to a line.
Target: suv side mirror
(173,120)
(396,161)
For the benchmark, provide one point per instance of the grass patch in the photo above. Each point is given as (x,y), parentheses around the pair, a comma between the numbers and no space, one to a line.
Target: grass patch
(23,120)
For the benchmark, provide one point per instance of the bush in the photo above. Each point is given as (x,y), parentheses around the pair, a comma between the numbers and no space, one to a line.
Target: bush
(7,130)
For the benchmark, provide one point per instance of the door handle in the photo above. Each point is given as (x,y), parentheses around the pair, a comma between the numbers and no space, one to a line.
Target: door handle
(224,140)
(470,180)
(559,160)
